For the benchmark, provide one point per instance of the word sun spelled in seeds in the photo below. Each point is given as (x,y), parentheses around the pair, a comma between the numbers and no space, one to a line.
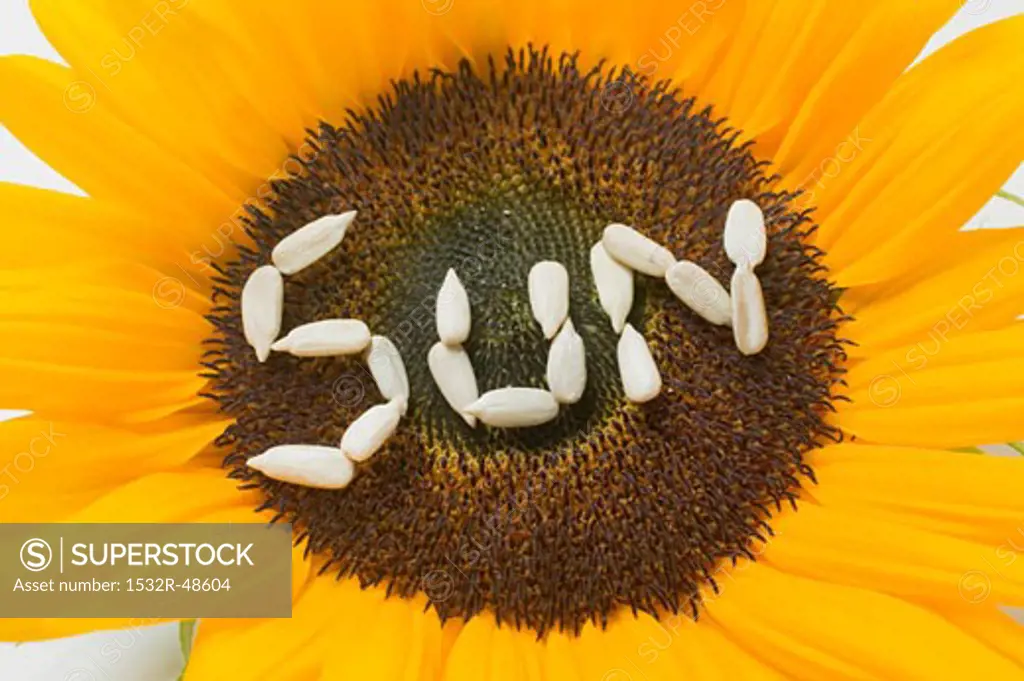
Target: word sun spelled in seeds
(622,252)
(620,434)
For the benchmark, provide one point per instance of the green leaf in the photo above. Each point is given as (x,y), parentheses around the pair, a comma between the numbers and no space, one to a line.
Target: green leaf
(1019,446)
(186,635)
(1003,194)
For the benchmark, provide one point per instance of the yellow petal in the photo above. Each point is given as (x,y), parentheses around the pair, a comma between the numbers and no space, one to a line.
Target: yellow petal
(46,459)
(967,496)
(689,48)
(619,651)
(952,112)
(252,49)
(389,643)
(120,352)
(992,627)
(166,497)
(655,40)
(856,633)
(295,648)
(43,227)
(449,635)
(96,293)
(848,548)
(72,345)
(941,426)
(306,32)
(470,658)
(888,386)
(944,254)
(979,525)
(904,477)
(151,64)
(97,151)
(785,50)
(980,290)
(885,38)
(559,660)
(53,231)
(712,656)
(110,396)
(956,350)
(290,50)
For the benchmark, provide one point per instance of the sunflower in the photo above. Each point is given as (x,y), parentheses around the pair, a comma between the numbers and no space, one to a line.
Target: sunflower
(796,513)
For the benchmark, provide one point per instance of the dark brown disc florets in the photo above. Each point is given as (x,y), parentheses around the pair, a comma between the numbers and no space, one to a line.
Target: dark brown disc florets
(614,504)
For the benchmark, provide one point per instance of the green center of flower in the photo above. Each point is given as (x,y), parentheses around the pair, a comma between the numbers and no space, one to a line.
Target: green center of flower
(493,243)
(613,504)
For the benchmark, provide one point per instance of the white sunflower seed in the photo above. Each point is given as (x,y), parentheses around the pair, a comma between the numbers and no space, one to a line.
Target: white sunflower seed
(746,241)
(325,339)
(633,249)
(614,283)
(515,407)
(453,315)
(640,376)
(262,306)
(368,433)
(453,373)
(749,318)
(308,465)
(701,292)
(306,245)
(388,370)
(548,284)
(567,365)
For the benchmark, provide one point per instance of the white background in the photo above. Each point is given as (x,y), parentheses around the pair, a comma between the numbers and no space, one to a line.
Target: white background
(153,654)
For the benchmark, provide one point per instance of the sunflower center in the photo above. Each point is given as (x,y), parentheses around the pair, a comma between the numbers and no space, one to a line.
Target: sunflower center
(492,242)
(613,504)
